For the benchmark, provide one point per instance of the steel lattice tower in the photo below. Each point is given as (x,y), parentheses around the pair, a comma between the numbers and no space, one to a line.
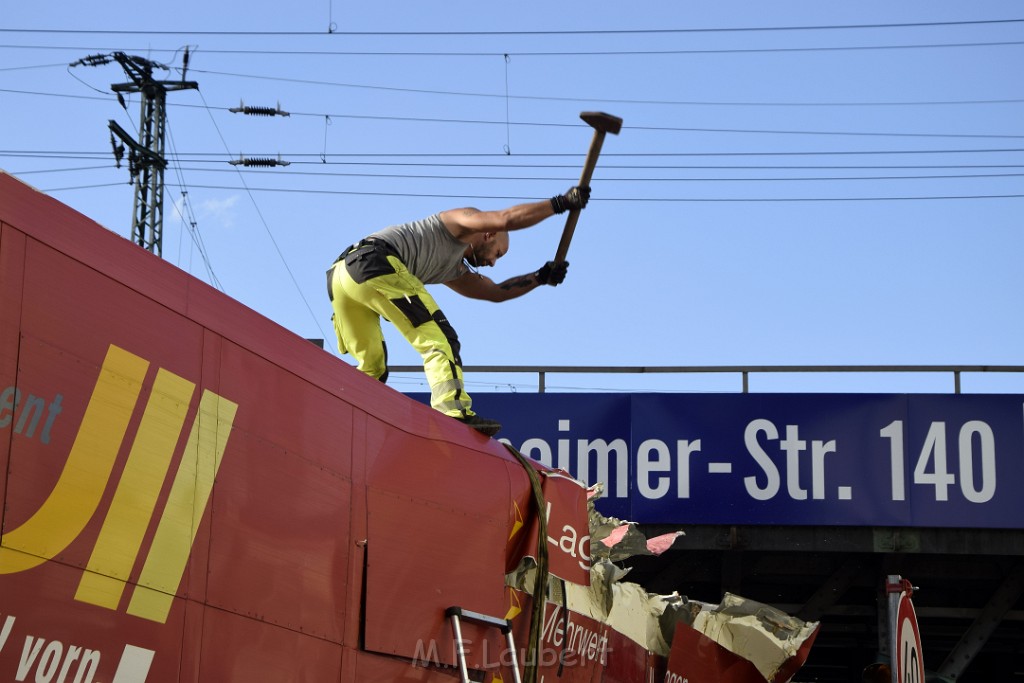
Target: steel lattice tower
(146,158)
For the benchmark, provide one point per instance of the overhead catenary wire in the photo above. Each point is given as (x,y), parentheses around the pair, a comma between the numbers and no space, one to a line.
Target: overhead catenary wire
(682,103)
(519,198)
(536,32)
(607,178)
(603,100)
(218,157)
(544,53)
(638,128)
(372,174)
(533,53)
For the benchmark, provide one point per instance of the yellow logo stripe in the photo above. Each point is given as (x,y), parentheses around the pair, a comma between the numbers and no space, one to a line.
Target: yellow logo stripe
(78,490)
(190,493)
(518,523)
(515,607)
(135,498)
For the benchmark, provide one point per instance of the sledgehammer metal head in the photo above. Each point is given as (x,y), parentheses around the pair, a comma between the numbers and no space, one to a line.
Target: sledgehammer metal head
(605,123)
(602,124)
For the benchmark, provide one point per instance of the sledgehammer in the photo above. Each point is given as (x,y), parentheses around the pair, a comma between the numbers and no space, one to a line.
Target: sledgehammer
(602,123)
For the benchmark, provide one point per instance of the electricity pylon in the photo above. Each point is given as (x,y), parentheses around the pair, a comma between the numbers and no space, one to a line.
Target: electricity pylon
(146,161)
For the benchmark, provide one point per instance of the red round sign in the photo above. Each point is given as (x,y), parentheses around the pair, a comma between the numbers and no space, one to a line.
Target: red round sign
(909,659)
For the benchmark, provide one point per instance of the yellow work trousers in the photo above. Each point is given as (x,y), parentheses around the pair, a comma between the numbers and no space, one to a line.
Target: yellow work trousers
(361,295)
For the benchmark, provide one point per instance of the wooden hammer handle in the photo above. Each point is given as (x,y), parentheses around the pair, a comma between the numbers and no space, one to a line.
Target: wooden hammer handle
(574,215)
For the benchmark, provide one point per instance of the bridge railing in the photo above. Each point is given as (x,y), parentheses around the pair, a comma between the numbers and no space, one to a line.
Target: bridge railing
(743,371)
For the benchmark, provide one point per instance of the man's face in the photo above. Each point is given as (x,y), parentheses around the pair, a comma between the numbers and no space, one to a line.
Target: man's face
(491,248)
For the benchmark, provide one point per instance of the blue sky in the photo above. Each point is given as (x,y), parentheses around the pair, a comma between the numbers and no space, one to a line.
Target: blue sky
(791,185)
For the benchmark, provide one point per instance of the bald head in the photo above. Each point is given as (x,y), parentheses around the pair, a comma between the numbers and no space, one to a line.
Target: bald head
(486,248)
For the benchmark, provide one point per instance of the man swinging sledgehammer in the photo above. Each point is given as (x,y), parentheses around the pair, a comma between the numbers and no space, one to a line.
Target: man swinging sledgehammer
(385,273)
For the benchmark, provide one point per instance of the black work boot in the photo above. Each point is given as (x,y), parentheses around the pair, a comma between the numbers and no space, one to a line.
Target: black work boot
(481,424)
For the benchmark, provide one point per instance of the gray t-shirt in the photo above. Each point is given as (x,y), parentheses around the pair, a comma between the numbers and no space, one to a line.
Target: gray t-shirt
(427,249)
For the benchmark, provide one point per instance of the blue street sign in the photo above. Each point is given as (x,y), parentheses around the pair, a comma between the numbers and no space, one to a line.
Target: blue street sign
(792,459)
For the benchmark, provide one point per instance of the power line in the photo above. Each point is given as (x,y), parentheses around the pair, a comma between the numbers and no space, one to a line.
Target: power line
(574,167)
(59,170)
(51,94)
(674,129)
(543,98)
(247,188)
(541,53)
(602,32)
(677,129)
(218,157)
(686,167)
(34,66)
(605,178)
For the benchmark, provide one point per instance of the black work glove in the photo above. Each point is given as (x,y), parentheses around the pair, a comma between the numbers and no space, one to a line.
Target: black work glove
(552,273)
(573,200)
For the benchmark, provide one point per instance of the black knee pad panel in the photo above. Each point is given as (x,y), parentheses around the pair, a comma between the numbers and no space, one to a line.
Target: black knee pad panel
(413,308)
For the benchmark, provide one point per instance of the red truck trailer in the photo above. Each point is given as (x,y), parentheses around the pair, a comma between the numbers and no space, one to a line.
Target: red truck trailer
(193,493)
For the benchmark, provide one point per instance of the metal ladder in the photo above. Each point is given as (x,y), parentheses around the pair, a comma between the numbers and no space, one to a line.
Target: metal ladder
(504,625)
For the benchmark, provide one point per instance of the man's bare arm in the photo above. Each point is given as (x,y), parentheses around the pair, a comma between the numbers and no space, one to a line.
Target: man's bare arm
(464,222)
(476,286)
